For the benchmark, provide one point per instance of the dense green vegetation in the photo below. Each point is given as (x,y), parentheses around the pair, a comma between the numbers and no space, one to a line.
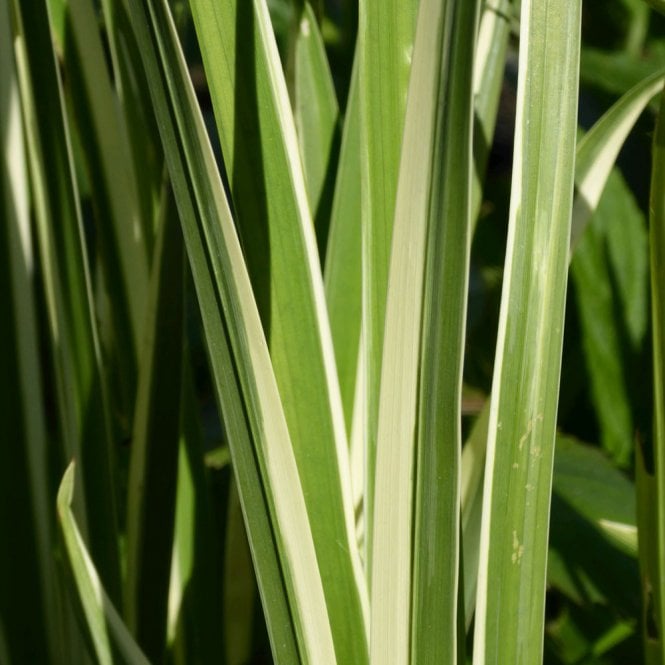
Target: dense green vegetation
(332,331)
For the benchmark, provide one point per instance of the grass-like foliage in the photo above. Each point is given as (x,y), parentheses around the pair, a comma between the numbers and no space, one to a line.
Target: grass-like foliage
(332,332)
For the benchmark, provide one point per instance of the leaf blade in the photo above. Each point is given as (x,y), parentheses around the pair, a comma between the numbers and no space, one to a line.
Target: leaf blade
(420,401)
(267,476)
(521,439)
(106,629)
(257,128)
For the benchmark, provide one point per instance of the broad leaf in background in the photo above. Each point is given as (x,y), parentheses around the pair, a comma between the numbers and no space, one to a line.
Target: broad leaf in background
(592,502)
(617,72)
(596,636)
(609,271)
(638,26)
(591,559)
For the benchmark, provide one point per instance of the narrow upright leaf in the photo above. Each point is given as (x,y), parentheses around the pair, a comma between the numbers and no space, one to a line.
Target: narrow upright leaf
(343,267)
(81,395)
(651,503)
(269,486)
(108,634)
(593,166)
(27,584)
(133,94)
(420,403)
(153,467)
(260,150)
(436,583)
(528,360)
(316,115)
(195,587)
(385,43)
(113,184)
(488,77)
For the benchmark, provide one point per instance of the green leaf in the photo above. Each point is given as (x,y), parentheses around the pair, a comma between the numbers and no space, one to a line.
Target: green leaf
(218,457)
(658,5)
(595,156)
(609,271)
(259,146)
(522,425)
(595,636)
(316,115)
(263,458)
(110,171)
(153,468)
(343,264)
(386,32)
(638,27)
(139,117)
(421,385)
(436,592)
(239,587)
(490,63)
(612,510)
(28,596)
(592,502)
(617,72)
(195,587)
(471,498)
(108,634)
(652,479)
(597,151)
(81,393)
